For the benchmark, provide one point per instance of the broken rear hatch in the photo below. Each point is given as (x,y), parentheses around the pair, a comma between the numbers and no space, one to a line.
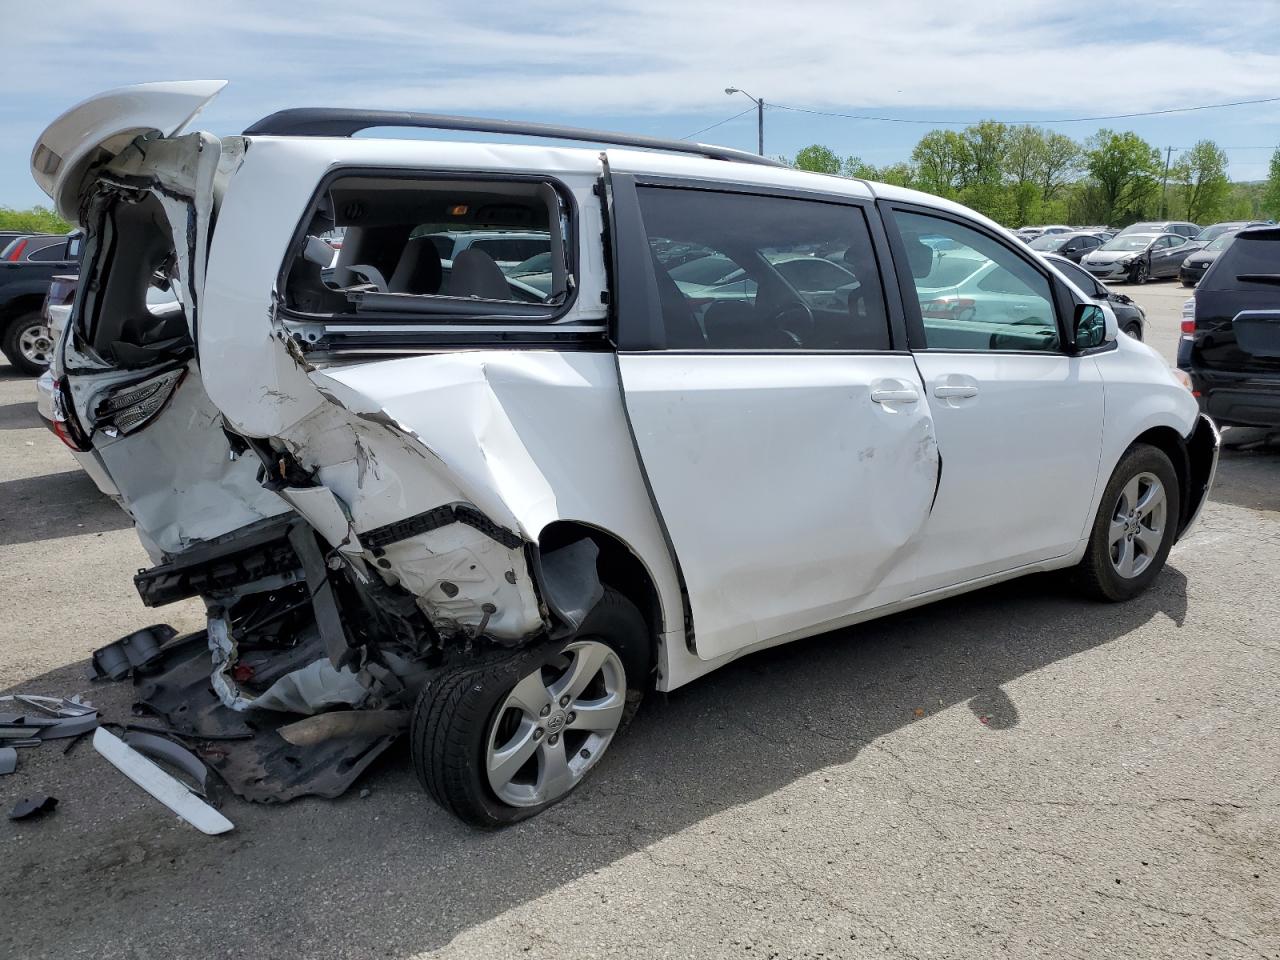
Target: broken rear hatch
(130,401)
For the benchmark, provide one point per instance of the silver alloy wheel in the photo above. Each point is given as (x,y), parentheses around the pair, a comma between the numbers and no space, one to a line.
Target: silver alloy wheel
(1137,525)
(555,724)
(36,343)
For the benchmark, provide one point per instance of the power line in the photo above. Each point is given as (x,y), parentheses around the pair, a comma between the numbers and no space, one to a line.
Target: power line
(964,123)
(690,136)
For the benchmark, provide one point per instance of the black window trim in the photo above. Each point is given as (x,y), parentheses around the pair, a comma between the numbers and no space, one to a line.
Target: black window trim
(390,320)
(636,323)
(1063,303)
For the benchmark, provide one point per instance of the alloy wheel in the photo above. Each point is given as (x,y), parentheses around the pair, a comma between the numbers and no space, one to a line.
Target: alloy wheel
(555,724)
(36,343)
(1137,525)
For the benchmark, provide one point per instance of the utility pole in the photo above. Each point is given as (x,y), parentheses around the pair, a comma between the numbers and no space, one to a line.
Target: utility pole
(759,116)
(1164,184)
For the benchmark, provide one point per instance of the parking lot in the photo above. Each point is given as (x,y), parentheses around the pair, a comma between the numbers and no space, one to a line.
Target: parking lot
(1015,772)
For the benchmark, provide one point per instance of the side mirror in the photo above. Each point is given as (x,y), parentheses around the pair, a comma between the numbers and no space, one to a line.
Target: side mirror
(1089,326)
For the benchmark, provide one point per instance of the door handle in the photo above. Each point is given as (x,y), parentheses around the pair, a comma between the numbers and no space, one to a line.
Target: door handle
(894,395)
(955,391)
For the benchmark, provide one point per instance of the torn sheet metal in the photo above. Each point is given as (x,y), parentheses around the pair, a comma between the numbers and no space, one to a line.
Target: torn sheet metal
(327,514)
(165,787)
(244,748)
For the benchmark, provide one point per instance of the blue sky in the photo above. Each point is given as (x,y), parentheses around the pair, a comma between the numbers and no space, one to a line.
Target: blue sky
(661,67)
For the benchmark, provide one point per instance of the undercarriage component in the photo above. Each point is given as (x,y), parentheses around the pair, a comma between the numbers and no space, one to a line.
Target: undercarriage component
(436,518)
(134,652)
(246,751)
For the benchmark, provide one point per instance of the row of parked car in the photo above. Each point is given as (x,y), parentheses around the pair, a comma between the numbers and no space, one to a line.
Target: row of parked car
(1141,251)
(28,264)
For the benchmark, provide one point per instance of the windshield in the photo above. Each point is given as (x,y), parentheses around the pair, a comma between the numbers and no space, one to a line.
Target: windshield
(1222,242)
(1209,234)
(1134,241)
(1047,243)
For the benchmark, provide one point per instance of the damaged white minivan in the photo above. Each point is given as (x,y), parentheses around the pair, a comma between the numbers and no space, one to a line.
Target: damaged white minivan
(681,404)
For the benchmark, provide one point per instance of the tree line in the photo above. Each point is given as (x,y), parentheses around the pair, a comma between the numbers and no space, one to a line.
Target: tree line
(1022,174)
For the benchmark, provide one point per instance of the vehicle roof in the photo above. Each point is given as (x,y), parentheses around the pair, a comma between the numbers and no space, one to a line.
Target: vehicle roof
(452,155)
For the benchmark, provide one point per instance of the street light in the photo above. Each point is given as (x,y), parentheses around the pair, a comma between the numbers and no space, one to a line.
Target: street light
(759,115)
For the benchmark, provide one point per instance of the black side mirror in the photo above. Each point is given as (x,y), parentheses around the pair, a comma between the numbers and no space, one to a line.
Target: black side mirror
(1090,326)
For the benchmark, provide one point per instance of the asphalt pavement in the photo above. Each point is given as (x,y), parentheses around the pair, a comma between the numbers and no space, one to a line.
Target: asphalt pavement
(1017,772)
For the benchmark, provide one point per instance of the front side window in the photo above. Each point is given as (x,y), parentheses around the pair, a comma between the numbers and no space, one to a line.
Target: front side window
(744,272)
(433,247)
(980,296)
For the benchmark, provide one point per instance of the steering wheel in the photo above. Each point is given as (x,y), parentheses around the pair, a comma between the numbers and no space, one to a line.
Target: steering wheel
(796,320)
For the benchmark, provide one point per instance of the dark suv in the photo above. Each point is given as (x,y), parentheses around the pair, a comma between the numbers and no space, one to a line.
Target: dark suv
(1230,342)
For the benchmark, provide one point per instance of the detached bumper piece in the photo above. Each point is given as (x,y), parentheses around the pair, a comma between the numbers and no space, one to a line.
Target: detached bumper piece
(169,790)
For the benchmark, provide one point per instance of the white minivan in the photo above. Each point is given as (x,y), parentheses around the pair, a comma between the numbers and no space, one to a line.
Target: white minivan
(747,408)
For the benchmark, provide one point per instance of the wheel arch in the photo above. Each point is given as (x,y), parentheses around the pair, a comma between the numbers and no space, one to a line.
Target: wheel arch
(619,566)
(20,305)
(1171,443)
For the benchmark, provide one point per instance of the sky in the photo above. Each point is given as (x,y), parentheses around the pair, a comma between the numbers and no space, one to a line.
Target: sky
(660,67)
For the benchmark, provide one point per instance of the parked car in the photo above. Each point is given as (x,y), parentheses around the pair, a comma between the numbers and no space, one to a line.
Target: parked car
(1072,245)
(7,237)
(1130,317)
(1137,257)
(25,270)
(1211,233)
(1182,228)
(1230,344)
(55,312)
(1198,261)
(392,497)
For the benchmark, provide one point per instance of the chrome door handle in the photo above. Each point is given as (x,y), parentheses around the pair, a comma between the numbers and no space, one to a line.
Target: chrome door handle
(890,395)
(953,391)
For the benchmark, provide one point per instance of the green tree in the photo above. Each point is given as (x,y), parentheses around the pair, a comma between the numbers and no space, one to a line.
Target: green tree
(1127,171)
(1059,162)
(857,167)
(941,159)
(1201,175)
(1271,193)
(35,220)
(984,154)
(817,158)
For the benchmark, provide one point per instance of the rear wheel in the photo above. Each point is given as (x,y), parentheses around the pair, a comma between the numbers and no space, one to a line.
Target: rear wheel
(1135,526)
(502,739)
(28,344)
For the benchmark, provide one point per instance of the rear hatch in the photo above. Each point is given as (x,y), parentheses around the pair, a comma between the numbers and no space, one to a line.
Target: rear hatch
(129,393)
(1237,306)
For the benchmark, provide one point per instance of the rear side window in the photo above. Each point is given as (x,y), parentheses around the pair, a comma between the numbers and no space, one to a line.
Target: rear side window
(745,272)
(1251,259)
(57,251)
(980,295)
(426,246)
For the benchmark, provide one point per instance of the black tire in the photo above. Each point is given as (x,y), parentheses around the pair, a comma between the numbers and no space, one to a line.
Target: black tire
(1134,330)
(457,705)
(11,347)
(1188,283)
(1140,272)
(1097,574)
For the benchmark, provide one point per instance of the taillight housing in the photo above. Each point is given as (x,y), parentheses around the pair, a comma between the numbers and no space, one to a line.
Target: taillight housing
(1189,317)
(130,408)
(65,424)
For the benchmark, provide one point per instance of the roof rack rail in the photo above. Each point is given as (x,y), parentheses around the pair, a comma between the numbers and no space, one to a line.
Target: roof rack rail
(337,122)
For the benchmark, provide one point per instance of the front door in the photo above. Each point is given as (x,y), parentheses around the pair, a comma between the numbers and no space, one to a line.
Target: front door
(789,448)
(1019,421)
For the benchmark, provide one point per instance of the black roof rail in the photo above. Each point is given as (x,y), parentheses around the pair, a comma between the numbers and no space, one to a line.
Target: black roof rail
(337,122)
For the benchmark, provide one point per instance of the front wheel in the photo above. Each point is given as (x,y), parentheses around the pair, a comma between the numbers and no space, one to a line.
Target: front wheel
(1140,272)
(1134,330)
(1135,526)
(28,344)
(501,739)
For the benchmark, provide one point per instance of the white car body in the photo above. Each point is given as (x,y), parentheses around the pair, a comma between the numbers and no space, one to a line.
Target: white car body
(867,483)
